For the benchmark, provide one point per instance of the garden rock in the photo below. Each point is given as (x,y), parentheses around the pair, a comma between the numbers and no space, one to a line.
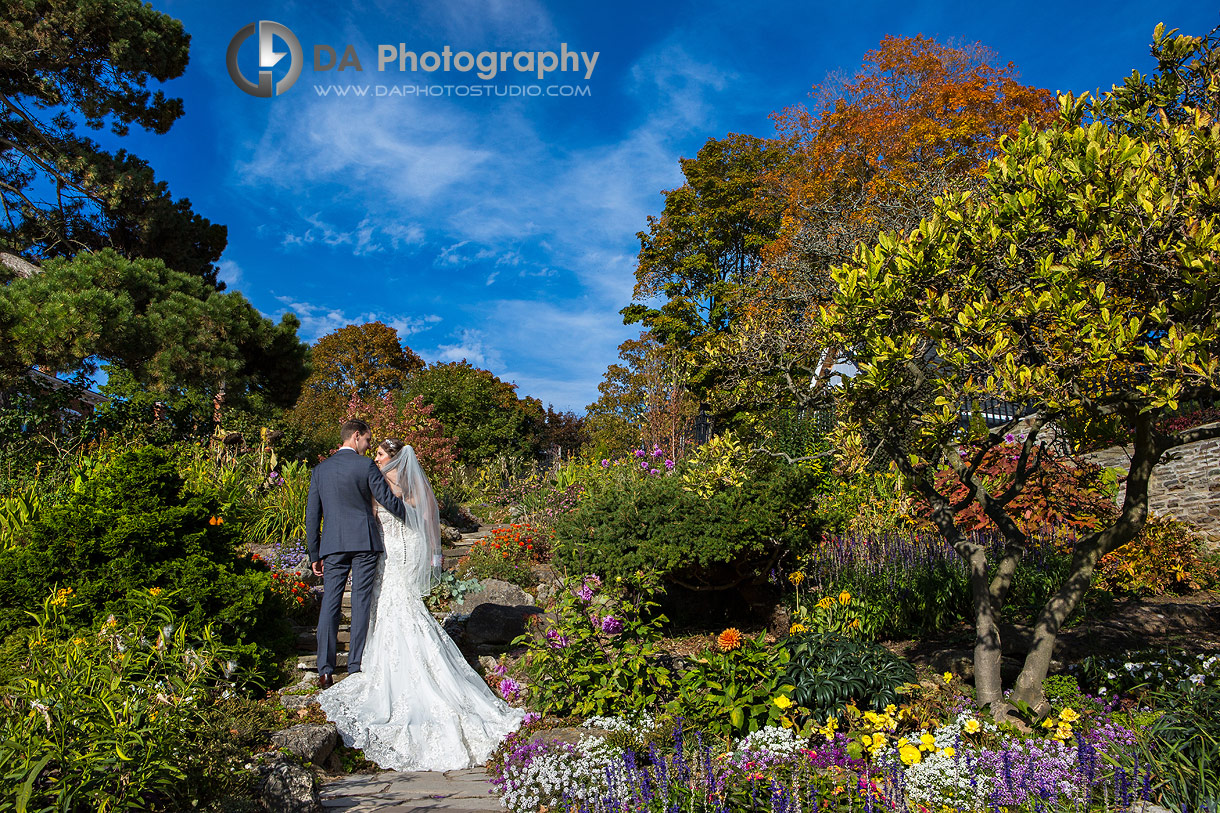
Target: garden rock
(287,787)
(496,625)
(312,743)
(494,591)
(572,736)
(449,535)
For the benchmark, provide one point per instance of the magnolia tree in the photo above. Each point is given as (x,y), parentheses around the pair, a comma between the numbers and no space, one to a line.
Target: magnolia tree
(1081,279)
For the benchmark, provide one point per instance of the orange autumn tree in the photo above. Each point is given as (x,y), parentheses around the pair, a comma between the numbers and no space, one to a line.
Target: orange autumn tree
(916,119)
(871,153)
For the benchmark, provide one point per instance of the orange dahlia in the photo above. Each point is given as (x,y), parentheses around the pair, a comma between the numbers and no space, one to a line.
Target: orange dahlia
(729,640)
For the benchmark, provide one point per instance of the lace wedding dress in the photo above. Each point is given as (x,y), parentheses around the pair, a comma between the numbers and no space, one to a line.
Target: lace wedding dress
(416,705)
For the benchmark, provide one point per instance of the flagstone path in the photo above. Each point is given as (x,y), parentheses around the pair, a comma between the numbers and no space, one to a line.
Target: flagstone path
(393,791)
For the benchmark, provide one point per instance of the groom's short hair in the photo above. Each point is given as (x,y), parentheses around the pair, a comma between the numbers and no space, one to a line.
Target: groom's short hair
(352,427)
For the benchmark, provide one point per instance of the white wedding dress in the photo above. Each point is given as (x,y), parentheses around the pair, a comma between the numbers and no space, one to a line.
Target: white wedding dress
(416,705)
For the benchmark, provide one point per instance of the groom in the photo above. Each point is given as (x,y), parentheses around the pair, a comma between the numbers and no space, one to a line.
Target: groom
(344,536)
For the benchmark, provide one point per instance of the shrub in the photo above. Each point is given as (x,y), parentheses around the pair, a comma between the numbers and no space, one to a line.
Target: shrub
(599,654)
(102,720)
(736,534)
(1183,746)
(730,688)
(281,509)
(505,554)
(1164,557)
(132,526)
(828,671)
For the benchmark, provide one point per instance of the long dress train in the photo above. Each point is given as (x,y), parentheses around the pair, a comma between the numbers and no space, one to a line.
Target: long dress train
(416,705)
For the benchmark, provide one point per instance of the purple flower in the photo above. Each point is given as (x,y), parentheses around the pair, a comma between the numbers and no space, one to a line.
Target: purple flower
(1010,438)
(510,689)
(644,465)
(611,625)
(654,471)
(639,452)
(605,463)
(499,669)
(557,640)
(593,580)
(530,717)
(584,592)
(656,452)
(669,465)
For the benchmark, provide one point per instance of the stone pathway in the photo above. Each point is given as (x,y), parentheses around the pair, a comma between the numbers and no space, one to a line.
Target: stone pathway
(425,790)
(391,791)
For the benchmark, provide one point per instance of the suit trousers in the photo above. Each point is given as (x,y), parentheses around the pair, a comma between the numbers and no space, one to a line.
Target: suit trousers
(336,566)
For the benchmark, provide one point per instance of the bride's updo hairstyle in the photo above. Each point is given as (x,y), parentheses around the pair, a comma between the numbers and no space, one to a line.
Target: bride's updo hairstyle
(391,446)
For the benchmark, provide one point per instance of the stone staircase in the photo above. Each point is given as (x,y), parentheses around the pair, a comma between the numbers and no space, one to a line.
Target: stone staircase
(307,642)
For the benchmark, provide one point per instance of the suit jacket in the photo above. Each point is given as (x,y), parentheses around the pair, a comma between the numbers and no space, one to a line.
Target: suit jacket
(339,517)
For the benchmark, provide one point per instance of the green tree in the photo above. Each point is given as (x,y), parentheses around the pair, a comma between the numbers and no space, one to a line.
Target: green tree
(169,331)
(645,400)
(63,64)
(1083,279)
(706,244)
(482,412)
(365,361)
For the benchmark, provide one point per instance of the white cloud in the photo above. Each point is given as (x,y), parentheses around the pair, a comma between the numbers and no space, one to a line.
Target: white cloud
(472,346)
(229,273)
(367,238)
(319,320)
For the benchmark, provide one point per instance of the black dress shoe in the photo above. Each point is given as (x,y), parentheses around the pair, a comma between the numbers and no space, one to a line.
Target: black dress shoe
(326,681)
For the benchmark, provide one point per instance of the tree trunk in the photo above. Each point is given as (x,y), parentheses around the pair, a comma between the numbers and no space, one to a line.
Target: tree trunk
(1088,552)
(987,684)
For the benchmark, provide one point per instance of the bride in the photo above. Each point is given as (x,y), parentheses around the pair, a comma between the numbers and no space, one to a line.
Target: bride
(416,705)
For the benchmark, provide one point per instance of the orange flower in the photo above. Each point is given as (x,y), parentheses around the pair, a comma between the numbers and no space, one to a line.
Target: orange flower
(729,640)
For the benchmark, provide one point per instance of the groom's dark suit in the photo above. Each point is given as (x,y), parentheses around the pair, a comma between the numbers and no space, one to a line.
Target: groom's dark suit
(343,533)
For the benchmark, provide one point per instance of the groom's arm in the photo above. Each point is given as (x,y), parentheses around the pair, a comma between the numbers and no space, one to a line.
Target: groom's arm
(313,520)
(381,490)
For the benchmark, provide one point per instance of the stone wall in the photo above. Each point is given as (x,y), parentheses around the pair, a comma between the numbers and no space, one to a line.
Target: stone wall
(1185,484)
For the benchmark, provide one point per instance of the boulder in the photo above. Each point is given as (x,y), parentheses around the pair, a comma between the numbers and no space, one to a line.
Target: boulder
(287,787)
(572,736)
(312,743)
(494,591)
(493,625)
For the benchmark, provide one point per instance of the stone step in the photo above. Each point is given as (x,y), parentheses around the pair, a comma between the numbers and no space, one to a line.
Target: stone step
(307,640)
(309,663)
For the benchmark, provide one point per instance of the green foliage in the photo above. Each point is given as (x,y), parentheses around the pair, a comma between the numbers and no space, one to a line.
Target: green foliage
(133,526)
(599,653)
(730,693)
(1134,673)
(103,720)
(281,511)
(66,64)
(18,511)
(829,671)
(450,590)
(621,526)
(167,329)
(1183,747)
(479,410)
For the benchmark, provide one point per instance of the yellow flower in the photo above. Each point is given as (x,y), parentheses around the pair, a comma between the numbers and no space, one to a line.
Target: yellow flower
(729,640)
(798,627)
(1048,723)
(948,676)
(845,597)
(891,708)
(909,754)
(796,578)
(1063,731)
(867,739)
(1069,716)
(927,742)
(950,751)
(972,726)
(782,702)
(154,591)
(825,603)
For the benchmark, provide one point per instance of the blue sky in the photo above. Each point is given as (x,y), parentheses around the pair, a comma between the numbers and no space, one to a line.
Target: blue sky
(502,229)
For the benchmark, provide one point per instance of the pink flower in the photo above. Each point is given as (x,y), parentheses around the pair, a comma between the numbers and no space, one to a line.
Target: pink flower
(669,465)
